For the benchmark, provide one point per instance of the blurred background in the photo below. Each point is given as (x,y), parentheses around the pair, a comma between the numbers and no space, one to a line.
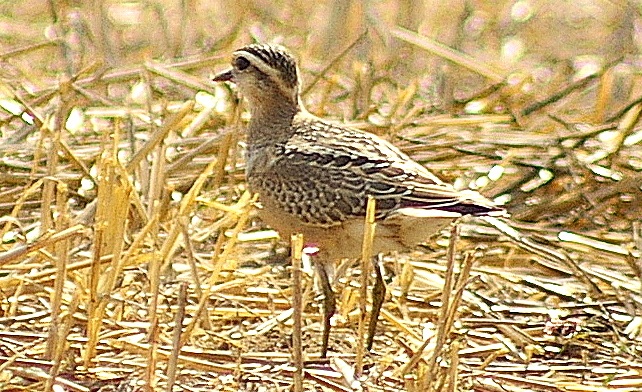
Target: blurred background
(549,40)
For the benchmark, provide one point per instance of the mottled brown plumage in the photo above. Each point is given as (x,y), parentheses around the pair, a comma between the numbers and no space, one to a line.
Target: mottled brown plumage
(314,176)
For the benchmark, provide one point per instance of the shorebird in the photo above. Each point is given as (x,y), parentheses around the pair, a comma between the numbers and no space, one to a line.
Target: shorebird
(314,177)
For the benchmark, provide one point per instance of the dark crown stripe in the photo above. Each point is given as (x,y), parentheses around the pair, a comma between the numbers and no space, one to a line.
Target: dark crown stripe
(260,52)
(276,58)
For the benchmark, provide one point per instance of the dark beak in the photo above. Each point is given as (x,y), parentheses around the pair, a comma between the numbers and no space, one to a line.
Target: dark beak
(225,76)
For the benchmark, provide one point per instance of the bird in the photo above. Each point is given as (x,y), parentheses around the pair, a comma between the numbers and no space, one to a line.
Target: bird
(314,177)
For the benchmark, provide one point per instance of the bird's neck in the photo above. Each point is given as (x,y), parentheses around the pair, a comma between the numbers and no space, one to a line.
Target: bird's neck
(271,121)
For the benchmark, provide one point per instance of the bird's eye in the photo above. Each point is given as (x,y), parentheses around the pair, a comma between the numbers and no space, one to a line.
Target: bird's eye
(241,63)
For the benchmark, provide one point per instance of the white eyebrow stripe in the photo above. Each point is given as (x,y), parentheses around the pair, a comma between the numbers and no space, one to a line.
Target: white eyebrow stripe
(256,61)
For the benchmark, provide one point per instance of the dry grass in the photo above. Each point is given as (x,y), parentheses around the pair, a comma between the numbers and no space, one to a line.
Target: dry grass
(124,212)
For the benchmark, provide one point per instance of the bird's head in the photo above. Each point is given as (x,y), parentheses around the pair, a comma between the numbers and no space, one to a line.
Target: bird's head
(263,71)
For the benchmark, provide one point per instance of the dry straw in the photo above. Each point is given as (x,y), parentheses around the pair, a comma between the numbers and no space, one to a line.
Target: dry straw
(131,256)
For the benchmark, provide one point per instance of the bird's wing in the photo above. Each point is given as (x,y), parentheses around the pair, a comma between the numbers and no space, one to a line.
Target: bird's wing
(335,169)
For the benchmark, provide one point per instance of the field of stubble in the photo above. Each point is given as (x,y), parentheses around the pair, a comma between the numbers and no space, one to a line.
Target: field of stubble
(124,213)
